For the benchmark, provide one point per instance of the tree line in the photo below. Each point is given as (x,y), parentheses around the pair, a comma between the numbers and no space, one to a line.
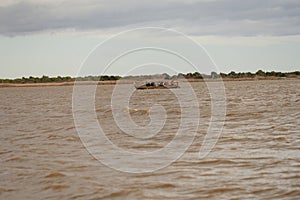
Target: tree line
(233,74)
(47,79)
(194,75)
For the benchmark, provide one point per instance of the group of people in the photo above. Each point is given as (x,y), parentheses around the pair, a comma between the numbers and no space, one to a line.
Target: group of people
(167,83)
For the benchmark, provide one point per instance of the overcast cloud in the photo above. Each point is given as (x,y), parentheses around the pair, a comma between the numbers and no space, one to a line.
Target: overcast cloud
(206,17)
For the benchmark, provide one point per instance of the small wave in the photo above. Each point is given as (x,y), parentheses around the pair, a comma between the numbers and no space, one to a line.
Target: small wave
(280,139)
(5,152)
(165,185)
(15,159)
(289,194)
(174,111)
(56,174)
(293,177)
(116,194)
(54,136)
(224,189)
(208,162)
(138,111)
(2,190)
(104,110)
(56,187)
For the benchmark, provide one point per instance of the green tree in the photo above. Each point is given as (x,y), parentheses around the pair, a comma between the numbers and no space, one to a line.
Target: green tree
(214,75)
(232,74)
(260,73)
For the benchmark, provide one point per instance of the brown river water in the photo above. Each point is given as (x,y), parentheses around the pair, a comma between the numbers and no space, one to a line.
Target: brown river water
(256,157)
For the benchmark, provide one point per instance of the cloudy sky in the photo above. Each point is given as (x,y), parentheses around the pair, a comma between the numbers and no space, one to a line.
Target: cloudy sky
(53,37)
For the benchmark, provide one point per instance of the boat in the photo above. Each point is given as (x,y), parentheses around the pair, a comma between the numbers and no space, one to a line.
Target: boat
(159,85)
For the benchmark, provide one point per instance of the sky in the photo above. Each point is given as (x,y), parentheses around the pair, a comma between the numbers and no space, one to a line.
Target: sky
(55,37)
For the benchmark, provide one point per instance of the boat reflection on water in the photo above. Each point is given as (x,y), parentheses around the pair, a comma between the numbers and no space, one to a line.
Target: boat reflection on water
(158,85)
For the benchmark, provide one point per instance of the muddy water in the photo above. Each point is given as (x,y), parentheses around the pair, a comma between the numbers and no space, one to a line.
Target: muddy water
(256,157)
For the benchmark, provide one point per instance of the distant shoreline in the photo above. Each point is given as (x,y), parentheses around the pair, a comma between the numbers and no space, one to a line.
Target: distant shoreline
(112,79)
(128,81)
(69,83)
